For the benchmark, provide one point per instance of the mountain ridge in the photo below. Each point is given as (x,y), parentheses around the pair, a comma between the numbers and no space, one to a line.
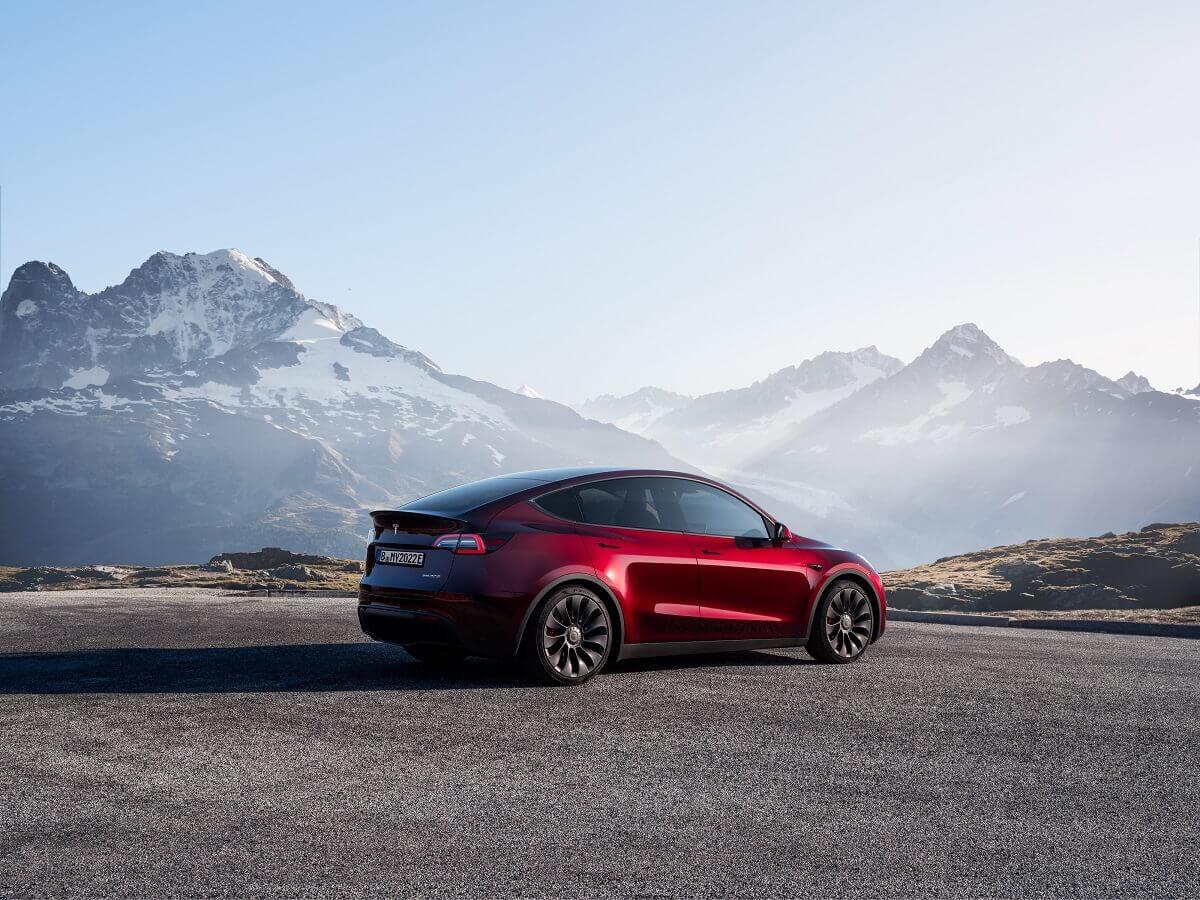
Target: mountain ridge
(961,450)
(204,403)
(222,408)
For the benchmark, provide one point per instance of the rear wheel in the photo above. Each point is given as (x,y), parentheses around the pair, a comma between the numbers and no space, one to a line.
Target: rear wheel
(435,654)
(570,638)
(843,624)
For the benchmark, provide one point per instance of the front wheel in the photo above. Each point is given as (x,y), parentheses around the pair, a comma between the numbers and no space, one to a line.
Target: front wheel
(843,624)
(570,637)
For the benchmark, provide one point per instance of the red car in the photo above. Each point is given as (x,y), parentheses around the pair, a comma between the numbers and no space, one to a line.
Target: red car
(570,569)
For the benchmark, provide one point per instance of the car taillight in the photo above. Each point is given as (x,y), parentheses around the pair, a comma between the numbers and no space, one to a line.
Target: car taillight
(462,543)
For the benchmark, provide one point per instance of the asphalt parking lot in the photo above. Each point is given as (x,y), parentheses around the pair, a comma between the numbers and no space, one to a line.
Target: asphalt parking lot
(186,743)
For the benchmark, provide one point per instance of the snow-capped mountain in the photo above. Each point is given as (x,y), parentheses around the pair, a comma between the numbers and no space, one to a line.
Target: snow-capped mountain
(205,404)
(170,310)
(725,429)
(634,412)
(1135,383)
(966,448)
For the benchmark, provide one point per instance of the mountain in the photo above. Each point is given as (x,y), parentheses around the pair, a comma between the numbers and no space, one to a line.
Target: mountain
(722,430)
(1135,383)
(965,447)
(170,310)
(204,404)
(633,412)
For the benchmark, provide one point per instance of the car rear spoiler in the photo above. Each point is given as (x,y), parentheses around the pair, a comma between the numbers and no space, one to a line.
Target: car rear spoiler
(413,522)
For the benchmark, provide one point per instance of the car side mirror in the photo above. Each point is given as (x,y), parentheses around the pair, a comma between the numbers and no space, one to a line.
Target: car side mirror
(781,534)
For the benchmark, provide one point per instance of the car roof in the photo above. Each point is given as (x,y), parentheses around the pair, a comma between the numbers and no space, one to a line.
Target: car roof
(500,490)
(547,476)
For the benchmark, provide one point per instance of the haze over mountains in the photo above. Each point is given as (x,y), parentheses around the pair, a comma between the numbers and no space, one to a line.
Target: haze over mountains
(204,405)
(725,429)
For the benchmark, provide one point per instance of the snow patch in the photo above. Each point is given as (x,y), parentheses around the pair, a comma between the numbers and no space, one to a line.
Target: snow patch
(413,397)
(312,326)
(953,393)
(82,378)
(1011,415)
(26,308)
(526,391)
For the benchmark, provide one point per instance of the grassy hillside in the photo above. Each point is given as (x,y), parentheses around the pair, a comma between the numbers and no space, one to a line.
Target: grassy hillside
(266,569)
(1157,568)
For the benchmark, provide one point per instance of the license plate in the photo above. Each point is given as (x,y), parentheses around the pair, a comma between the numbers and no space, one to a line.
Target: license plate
(400,557)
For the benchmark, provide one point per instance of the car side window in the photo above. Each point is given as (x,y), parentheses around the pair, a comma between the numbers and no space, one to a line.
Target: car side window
(709,510)
(649,503)
(623,502)
(564,504)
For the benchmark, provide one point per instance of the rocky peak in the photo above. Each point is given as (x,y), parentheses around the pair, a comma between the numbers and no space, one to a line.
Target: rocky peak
(651,395)
(279,277)
(636,411)
(1067,375)
(661,396)
(39,273)
(171,310)
(834,369)
(1134,383)
(36,288)
(963,351)
(39,303)
(871,356)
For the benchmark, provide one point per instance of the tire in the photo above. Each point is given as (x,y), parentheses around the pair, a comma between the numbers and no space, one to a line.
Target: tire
(435,655)
(569,638)
(843,624)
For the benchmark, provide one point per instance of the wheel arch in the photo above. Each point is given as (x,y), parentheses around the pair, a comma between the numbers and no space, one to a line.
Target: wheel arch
(584,580)
(848,573)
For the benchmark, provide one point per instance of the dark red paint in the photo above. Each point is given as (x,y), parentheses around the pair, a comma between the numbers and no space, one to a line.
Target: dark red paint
(486,568)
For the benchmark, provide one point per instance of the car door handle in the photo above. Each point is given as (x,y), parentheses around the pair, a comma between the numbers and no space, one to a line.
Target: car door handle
(609,546)
(711,552)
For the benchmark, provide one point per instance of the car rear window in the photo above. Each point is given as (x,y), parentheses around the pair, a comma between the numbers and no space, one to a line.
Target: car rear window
(458,500)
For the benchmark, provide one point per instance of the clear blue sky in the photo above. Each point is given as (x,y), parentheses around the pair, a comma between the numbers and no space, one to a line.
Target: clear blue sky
(592,197)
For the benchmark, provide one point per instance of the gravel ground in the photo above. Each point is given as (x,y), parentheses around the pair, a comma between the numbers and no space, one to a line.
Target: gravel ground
(186,743)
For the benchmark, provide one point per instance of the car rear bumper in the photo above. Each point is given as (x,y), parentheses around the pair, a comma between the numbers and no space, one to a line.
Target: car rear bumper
(479,626)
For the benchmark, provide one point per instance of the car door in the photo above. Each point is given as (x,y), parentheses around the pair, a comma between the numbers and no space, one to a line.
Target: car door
(650,566)
(749,586)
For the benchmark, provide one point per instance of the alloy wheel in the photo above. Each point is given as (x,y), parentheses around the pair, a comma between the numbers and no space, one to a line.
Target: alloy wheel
(576,635)
(848,622)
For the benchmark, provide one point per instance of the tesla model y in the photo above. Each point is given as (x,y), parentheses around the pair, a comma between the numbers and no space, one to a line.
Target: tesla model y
(571,569)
